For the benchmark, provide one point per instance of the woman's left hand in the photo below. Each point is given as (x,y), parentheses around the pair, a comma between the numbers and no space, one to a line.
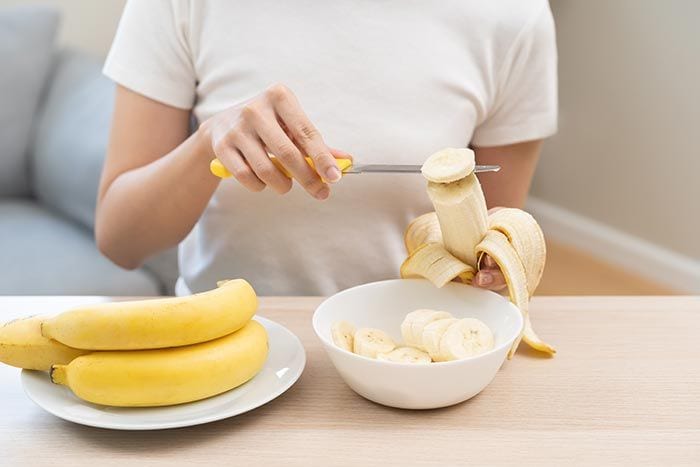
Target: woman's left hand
(489,275)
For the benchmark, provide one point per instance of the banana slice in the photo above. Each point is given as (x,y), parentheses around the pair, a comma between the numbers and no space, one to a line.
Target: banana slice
(343,334)
(414,323)
(467,337)
(432,335)
(449,165)
(405,355)
(369,342)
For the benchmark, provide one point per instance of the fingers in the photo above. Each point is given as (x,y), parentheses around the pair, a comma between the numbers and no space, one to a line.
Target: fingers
(491,279)
(257,158)
(278,143)
(339,153)
(240,170)
(489,276)
(303,132)
(274,122)
(488,262)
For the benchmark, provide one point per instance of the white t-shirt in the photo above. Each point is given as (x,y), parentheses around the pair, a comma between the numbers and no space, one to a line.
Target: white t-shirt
(389,81)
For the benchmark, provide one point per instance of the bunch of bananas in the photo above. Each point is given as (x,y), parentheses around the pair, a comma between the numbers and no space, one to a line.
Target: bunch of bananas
(448,244)
(145,353)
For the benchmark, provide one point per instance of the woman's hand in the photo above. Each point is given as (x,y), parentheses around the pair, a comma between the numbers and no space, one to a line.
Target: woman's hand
(273,122)
(489,275)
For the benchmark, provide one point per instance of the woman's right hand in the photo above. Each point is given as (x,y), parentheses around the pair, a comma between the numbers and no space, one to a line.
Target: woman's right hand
(273,122)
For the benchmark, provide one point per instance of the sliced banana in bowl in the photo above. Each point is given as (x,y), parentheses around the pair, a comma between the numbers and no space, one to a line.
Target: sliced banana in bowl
(429,336)
(418,347)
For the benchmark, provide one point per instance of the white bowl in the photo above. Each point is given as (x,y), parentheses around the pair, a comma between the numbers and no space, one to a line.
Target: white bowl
(383,305)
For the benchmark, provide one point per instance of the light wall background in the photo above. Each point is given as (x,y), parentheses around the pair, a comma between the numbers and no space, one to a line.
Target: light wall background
(628,150)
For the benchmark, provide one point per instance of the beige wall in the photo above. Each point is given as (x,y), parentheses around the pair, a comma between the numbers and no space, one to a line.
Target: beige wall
(86,24)
(628,150)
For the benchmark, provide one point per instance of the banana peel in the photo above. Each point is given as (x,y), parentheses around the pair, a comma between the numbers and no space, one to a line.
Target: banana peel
(433,262)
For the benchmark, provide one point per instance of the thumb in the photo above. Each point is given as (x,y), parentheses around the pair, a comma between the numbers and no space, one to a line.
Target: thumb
(339,153)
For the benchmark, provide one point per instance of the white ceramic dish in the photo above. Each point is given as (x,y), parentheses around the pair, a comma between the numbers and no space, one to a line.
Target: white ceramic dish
(283,367)
(383,305)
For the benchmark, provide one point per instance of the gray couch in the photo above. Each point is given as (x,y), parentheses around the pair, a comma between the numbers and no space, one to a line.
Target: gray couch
(55,110)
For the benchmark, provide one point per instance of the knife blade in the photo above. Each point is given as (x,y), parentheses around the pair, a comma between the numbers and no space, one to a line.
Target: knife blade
(347,167)
(405,168)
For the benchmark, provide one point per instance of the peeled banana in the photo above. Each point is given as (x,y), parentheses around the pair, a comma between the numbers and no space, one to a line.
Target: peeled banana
(148,378)
(154,324)
(23,346)
(462,225)
(510,236)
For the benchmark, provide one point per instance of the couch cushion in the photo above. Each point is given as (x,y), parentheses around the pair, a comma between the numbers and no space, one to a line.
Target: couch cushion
(42,254)
(26,48)
(71,137)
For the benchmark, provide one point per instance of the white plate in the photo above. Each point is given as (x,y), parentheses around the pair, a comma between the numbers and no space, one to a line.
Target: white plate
(282,369)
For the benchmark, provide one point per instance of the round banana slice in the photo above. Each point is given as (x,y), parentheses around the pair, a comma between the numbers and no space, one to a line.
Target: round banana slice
(449,165)
(432,335)
(342,334)
(369,342)
(414,323)
(405,355)
(467,337)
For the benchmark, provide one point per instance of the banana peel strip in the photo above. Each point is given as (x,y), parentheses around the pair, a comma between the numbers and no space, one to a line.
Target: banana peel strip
(433,262)
(496,245)
(423,229)
(527,238)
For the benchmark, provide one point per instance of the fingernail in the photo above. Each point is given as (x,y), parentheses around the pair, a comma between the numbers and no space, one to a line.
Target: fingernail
(485,278)
(323,193)
(333,174)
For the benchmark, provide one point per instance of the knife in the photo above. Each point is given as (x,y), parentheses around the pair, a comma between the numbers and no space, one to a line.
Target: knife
(347,167)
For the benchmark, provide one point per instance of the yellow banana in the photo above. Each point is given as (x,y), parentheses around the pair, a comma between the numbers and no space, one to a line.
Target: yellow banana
(23,346)
(510,236)
(154,324)
(149,378)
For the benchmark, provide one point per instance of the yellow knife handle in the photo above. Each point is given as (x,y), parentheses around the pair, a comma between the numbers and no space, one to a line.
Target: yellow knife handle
(218,169)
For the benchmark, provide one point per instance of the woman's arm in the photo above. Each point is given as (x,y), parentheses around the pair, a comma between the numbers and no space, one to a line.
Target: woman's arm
(506,188)
(509,186)
(155,182)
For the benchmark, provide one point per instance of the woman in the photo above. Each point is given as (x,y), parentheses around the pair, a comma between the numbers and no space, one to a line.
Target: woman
(387,81)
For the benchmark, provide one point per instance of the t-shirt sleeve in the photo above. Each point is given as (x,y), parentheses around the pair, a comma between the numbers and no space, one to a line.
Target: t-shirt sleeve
(525,104)
(150,53)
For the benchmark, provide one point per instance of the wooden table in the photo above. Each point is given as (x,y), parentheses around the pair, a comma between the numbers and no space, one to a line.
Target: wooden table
(623,390)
